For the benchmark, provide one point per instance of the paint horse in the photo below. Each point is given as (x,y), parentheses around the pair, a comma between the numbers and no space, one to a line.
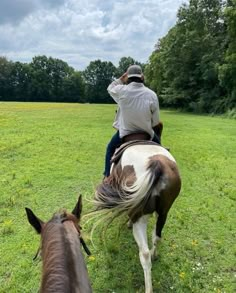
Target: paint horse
(145,180)
(64,268)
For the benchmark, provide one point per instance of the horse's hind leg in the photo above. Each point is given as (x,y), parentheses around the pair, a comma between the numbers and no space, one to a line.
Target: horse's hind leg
(140,235)
(156,235)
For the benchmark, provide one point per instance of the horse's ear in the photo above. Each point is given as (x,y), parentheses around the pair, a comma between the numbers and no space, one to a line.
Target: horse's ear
(78,208)
(34,221)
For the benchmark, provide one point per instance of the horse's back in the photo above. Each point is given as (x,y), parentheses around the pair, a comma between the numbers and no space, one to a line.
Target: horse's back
(138,156)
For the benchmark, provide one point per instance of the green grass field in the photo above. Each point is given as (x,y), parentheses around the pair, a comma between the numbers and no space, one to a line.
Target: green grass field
(49,153)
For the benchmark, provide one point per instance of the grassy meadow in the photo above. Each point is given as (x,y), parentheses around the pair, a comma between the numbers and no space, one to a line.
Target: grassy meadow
(50,153)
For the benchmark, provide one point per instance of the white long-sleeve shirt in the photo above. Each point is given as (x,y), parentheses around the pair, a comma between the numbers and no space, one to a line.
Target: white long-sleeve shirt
(138,107)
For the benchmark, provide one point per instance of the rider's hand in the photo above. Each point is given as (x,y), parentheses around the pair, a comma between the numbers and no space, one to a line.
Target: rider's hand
(124,77)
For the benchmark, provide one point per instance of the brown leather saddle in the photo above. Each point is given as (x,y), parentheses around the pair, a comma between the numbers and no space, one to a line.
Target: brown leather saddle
(140,138)
(136,136)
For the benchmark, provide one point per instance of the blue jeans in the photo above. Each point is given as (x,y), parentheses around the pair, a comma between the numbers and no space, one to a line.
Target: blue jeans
(114,143)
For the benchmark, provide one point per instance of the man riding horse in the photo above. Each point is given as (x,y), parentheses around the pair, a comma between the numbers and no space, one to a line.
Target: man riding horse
(138,112)
(144,177)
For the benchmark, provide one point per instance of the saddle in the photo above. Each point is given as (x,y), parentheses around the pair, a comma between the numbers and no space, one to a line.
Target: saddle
(137,138)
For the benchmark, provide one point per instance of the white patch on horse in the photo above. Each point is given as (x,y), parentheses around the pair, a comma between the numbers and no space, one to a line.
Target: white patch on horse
(138,156)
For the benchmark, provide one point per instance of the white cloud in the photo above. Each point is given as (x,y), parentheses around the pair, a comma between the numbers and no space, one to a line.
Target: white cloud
(82,31)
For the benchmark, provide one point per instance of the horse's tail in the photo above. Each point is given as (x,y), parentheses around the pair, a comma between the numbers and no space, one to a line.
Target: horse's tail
(131,200)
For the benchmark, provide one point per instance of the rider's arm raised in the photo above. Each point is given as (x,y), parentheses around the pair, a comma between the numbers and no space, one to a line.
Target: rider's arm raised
(115,88)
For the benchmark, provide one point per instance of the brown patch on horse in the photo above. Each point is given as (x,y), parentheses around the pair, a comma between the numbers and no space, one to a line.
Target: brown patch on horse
(125,176)
(121,176)
(165,188)
(171,184)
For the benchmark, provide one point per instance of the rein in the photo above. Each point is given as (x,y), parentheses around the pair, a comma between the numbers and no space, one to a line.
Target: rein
(85,246)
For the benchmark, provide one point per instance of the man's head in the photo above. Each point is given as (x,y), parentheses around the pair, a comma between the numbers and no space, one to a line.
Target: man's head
(134,73)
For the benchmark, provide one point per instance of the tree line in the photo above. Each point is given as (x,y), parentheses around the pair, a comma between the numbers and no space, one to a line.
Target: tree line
(193,67)
(48,79)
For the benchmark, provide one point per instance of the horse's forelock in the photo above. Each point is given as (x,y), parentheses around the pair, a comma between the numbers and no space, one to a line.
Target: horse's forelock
(61,216)
(56,218)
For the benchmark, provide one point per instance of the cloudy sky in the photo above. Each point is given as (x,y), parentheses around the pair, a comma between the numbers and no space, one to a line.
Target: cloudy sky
(80,31)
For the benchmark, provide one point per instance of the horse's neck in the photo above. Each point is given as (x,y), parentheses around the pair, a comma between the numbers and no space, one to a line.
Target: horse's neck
(61,255)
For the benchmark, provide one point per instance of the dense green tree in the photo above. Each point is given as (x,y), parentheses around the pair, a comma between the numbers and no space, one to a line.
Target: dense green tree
(74,88)
(6,67)
(48,75)
(97,76)
(124,63)
(21,82)
(184,68)
(44,79)
(193,67)
(41,82)
(227,72)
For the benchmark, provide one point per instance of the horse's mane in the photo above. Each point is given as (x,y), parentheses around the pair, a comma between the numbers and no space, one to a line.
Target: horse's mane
(58,255)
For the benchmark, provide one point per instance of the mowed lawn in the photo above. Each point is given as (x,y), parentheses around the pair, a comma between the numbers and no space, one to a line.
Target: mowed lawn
(51,153)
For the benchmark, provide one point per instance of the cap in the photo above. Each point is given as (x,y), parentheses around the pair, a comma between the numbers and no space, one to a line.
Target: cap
(134,71)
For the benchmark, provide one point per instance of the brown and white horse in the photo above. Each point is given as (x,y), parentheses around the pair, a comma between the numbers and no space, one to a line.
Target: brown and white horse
(64,268)
(146,180)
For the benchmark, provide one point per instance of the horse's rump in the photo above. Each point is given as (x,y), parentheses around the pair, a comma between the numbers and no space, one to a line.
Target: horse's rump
(144,173)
